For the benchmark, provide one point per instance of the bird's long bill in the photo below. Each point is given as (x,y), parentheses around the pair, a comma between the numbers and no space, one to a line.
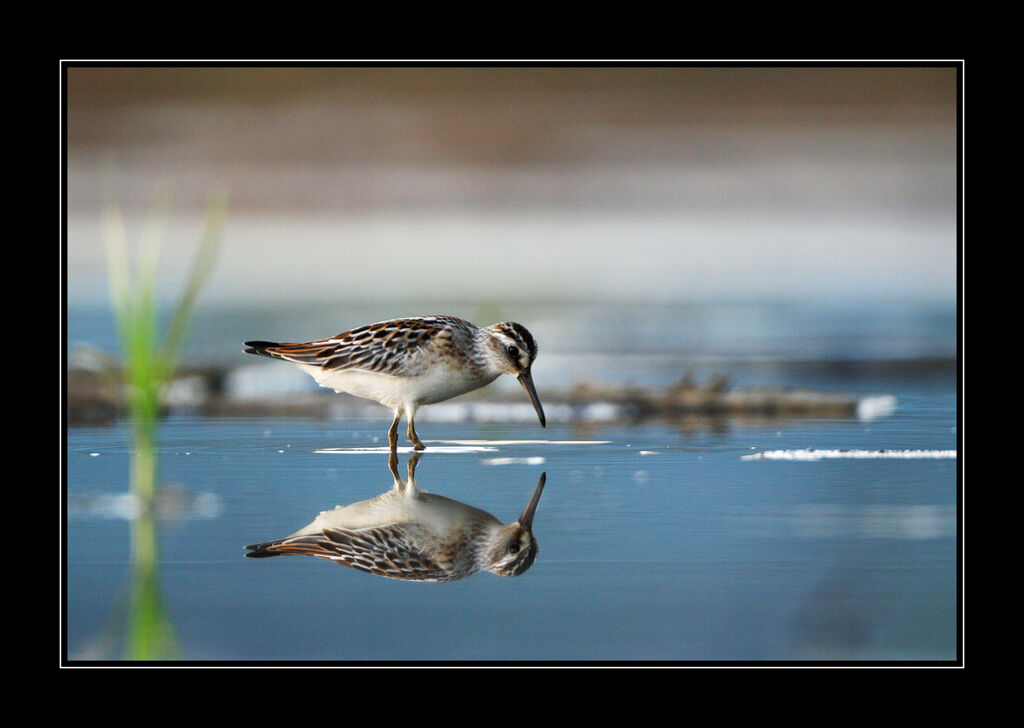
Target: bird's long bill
(526,379)
(526,519)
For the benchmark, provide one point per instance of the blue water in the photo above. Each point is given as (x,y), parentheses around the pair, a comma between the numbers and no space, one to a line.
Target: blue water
(657,543)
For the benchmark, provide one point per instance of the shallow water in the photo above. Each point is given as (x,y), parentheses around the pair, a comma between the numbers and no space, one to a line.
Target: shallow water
(657,543)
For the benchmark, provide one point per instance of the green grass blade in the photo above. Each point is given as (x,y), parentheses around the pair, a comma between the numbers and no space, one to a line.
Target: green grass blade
(202,266)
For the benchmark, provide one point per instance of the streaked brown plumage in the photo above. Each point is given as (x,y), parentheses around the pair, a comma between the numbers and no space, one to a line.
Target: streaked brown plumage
(407,533)
(410,362)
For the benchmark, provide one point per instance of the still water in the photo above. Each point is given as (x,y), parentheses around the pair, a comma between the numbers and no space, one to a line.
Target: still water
(656,542)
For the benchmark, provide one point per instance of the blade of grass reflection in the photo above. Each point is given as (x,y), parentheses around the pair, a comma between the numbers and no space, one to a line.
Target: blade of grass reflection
(147,369)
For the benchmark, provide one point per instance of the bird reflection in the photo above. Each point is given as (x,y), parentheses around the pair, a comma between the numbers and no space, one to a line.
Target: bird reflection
(407,533)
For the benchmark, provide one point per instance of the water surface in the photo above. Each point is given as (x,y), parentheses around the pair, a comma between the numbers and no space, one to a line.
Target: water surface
(657,543)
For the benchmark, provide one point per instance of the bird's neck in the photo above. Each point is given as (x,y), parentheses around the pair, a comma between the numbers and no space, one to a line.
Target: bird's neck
(485,353)
(485,542)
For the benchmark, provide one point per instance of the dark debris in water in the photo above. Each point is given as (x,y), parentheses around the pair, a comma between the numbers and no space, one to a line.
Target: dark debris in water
(714,397)
(94,399)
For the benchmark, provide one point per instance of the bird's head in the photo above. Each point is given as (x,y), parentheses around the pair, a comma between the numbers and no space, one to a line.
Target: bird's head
(511,349)
(514,547)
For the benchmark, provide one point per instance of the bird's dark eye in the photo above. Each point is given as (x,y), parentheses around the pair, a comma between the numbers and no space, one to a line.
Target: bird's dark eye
(513,351)
(514,548)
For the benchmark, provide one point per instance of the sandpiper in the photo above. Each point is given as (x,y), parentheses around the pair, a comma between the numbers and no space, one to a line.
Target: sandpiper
(409,362)
(407,533)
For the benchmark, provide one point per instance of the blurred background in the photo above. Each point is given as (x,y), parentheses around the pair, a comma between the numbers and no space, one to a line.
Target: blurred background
(792,227)
(744,213)
(460,184)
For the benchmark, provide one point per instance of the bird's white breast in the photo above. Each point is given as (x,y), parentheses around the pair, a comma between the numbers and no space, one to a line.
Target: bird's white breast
(434,512)
(436,384)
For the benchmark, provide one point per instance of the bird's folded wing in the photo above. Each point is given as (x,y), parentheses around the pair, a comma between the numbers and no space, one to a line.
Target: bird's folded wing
(391,347)
(382,550)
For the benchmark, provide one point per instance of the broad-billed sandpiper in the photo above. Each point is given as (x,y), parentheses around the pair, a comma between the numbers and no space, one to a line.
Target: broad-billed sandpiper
(406,363)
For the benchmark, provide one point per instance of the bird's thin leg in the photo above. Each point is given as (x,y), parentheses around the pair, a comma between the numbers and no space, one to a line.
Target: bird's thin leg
(393,432)
(393,466)
(413,460)
(413,437)
(411,465)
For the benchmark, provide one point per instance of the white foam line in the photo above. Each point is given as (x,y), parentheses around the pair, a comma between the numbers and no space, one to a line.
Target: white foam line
(524,442)
(513,461)
(811,454)
(378,450)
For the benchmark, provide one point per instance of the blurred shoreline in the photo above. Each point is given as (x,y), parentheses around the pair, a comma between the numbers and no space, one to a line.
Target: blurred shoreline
(94,397)
(616,362)
(527,183)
